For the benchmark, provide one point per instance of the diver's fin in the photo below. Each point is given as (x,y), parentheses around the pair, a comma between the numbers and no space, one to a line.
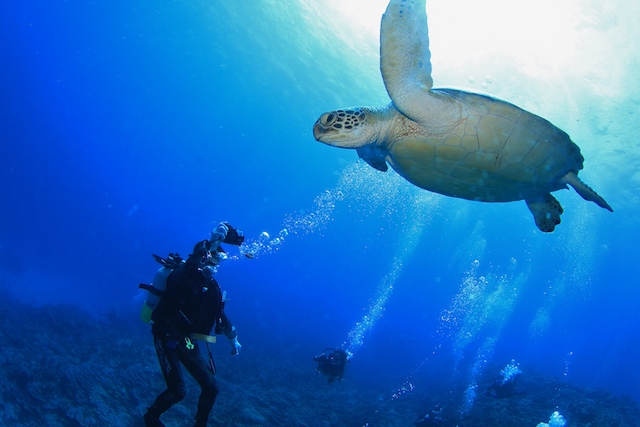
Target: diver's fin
(374,157)
(546,211)
(585,191)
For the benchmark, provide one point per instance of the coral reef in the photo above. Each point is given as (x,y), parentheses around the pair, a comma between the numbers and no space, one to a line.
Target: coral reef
(61,367)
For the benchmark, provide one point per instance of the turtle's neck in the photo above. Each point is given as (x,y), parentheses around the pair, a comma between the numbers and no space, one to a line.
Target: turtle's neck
(382,122)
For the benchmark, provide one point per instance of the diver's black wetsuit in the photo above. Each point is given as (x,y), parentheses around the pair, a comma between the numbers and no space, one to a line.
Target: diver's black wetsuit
(191,304)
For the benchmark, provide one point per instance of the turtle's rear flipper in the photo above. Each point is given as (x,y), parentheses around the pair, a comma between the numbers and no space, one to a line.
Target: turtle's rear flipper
(546,211)
(585,191)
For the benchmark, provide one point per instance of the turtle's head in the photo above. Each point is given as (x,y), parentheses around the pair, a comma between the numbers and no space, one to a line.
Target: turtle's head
(349,128)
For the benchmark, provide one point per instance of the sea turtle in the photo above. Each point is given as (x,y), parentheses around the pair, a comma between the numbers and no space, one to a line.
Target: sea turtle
(452,142)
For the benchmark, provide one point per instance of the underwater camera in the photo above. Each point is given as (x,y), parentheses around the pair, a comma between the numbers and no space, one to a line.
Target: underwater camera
(235,236)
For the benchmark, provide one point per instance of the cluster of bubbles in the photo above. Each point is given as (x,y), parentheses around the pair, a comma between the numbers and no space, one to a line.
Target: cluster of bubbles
(478,313)
(358,184)
(319,216)
(480,309)
(540,323)
(483,355)
(417,216)
(264,244)
(556,420)
(355,185)
(567,363)
(483,304)
(355,337)
(469,398)
(468,300)
(406,387)
(510,371)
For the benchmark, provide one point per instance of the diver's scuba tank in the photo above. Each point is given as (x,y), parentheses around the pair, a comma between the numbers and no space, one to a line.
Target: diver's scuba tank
(156,289)
(154,293)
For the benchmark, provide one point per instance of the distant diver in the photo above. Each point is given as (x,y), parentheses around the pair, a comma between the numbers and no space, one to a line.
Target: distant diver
(332,363)
(506,385)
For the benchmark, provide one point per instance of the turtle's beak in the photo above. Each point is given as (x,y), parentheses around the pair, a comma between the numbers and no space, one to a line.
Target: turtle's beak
(328,135)
(318,131)
(323,129)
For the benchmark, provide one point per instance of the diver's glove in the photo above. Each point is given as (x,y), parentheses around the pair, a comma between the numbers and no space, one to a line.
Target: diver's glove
(235,346)
(219,233)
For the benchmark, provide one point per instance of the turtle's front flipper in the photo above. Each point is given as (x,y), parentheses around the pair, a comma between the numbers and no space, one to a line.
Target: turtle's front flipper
(546,211)
(405,60)
(373,156)
(585,191)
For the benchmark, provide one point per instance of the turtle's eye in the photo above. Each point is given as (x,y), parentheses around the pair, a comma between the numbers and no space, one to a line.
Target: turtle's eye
(327,119)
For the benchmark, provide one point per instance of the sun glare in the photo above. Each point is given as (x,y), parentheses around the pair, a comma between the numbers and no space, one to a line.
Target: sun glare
(534,34)
(355,22)
(500,47)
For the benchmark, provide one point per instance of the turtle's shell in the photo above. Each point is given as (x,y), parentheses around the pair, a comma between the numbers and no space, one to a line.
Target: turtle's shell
(518,155)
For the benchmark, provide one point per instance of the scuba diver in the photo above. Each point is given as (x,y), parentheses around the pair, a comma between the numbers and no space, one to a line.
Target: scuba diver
(332,363)
(190,305)
(506,385)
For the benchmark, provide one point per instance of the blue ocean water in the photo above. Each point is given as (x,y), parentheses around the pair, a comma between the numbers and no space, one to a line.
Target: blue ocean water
(131,128)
